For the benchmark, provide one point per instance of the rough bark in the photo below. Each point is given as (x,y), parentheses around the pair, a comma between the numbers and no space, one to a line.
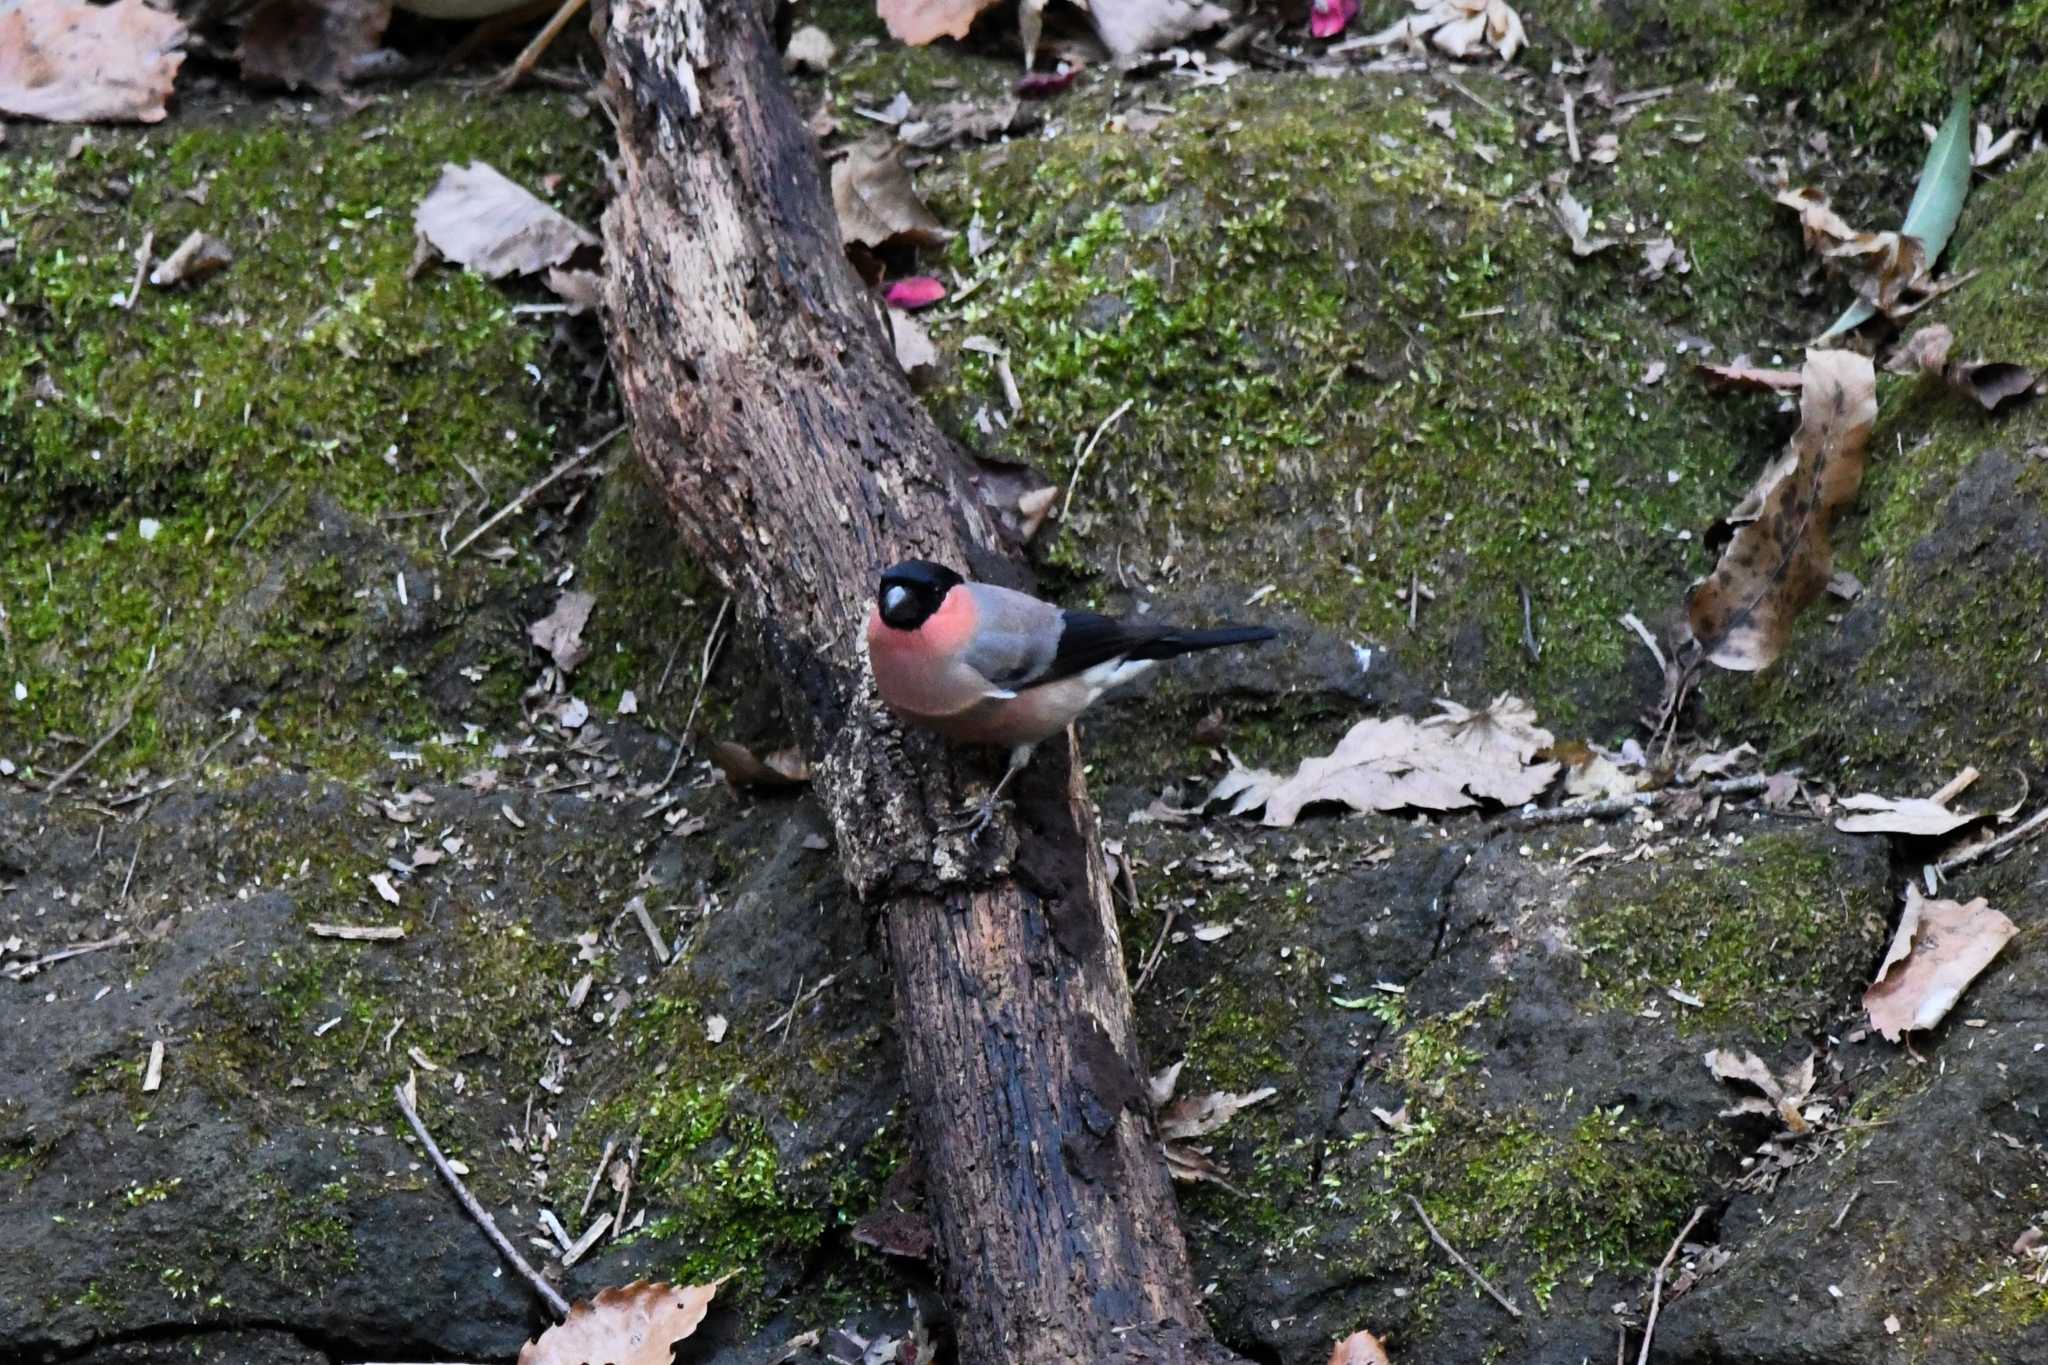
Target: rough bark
(763,394)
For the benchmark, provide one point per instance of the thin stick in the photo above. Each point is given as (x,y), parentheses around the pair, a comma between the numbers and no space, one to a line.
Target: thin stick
(21,971)
(711,642)
(1529,627)
(127,714)
(1649,641)
(1158,953)
(1463,1264)
(2011,836)
(781,1021)
(1657,1285)
(1609,807)
(519,499)
(1571,126)
(132,859)
(141,266)
(595,1177)
(1488,105)
(1086,451)
(554,1301)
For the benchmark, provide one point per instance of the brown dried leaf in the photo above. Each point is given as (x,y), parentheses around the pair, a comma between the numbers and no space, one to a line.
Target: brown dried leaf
(1990,382)
(637,1325)
(78,63)
(1360,1348)
(1900,815)
(914,349)
(917,22)
(1199,1115)
(1461,28)
(318,43)
(198,256)
(1821,226)
(1577,221)
(957,119)
(1924,352)
(742,768)
(1749,377)
(484,222)
(877,203)
(1939,949)
(1447,762)
(1741,615)
(1787,1094)
(560,632)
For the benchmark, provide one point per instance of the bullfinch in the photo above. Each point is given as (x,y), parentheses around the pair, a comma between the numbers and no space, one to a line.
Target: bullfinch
(987,665)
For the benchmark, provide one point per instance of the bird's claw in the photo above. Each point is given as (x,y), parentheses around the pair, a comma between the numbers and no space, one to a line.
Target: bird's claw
(976,822)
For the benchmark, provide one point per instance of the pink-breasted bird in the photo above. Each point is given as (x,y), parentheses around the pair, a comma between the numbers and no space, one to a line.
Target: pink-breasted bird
(988,665)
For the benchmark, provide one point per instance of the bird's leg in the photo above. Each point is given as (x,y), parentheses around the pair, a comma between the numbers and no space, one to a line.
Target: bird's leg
(1020,758)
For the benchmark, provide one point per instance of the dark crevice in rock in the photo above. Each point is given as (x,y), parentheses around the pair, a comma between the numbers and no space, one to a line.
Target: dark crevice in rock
(328,1347)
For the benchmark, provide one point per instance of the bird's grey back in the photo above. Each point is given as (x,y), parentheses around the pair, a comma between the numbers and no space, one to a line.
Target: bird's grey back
(1016,636)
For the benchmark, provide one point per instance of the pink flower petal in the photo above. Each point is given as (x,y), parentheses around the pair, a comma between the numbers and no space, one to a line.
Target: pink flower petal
(1037,85)
(918,291)
(1327,18)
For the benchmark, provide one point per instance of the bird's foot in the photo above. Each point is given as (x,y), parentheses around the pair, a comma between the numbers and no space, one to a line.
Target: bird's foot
(977,819)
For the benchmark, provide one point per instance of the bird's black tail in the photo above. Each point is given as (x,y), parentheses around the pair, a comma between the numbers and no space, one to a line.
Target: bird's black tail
(1173,641)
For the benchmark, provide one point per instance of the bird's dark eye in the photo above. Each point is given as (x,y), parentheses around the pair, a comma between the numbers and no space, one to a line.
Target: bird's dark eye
(900,607)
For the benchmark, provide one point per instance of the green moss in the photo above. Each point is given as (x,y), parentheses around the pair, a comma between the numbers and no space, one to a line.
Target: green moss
(1763,937)
(303,1241)
(1875,72)
(308,387)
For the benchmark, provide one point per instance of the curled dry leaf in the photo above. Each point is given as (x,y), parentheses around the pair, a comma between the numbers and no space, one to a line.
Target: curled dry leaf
(958,120)
(877,204)
(1900,815)
(1460,28)
(810,49)
(560,632)
(1740,616)
(1939,949)
(914,349)
(1749,377)
(742,768)
(1360,1348)
(1989,382)
(917,22)
(1181,1121)
(1577,222)
(321,44)
(484,222)
(635,1325)
(198,256)
(1661,257)
(70,62)
(1447,762)
(1787,1094)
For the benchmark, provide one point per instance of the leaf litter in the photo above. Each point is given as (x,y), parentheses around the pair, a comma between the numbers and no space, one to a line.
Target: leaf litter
(1780,559)
(1940,948)
(1786,1097)
(1990,382)
(1183,1120)
(638,1324)
(69,62)
(1446,762)
(486,223)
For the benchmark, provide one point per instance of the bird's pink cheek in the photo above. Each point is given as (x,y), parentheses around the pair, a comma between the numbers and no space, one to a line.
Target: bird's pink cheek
(948,630)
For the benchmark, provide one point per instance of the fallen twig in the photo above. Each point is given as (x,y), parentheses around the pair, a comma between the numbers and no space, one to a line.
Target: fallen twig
(1158,953)
(1657,1285)
(519,499)
(127,714)
(2026,830)
(1087,450)
(21,971)
(803,998)
(1608,807)
(141,269)
(1529,627)
(554,1301)
(1463,1264)
(1634,623)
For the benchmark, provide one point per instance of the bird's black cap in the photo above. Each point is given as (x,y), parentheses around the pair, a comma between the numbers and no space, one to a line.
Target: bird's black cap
(913,590)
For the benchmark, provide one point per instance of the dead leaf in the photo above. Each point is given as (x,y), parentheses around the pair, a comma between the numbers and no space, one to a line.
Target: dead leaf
(1035,505)
(1460,28)
(877,204)
(321,44)
(1131,28)
(1900,815)
(1597,776)
(1740,616)
(1199,1115)
(1360,1348)
(1749,377)
(810,49)
(1986,149)
(1787,1094)
(783,768)
(637,1325)
(198,256)
(958,120)
(1819,224)
(914,349)
(1939,949)
(582,290)
(1577,222)
(480,220)
(1663,256)
(560,632)
(1990,382)
(1446,762)
(1159,1086)
(78,63)
(1716,764)
(917,22)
